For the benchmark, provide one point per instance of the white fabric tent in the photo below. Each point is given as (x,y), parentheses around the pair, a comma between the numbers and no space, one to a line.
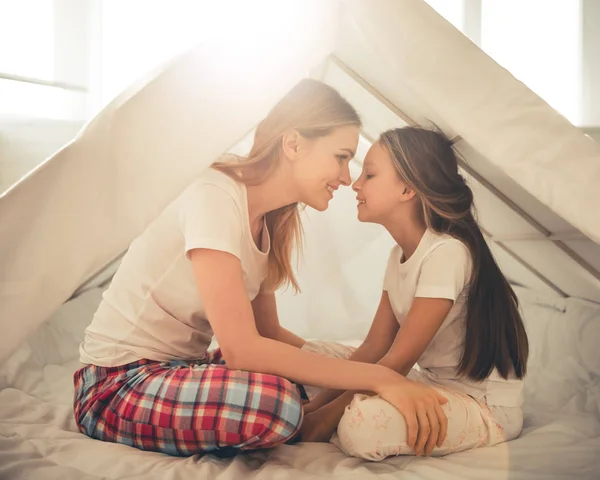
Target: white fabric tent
(534,176)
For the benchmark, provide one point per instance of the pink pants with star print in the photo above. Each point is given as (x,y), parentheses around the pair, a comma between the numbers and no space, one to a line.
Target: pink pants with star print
(373,429)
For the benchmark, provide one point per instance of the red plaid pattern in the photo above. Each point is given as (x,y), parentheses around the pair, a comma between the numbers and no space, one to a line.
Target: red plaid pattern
(183,408)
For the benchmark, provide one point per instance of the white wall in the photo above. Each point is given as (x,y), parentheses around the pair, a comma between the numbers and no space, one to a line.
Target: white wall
(36,119)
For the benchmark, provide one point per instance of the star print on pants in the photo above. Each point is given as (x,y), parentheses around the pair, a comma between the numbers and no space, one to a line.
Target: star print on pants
(381,420)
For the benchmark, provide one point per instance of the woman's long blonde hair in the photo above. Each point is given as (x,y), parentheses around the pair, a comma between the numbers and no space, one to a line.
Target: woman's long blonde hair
(313,109)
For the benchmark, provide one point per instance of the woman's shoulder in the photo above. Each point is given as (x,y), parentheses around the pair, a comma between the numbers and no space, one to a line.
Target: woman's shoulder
(215,182)
(212,190)
(212,176)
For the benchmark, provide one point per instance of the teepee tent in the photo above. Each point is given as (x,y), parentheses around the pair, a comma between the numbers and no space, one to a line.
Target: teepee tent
(65,226)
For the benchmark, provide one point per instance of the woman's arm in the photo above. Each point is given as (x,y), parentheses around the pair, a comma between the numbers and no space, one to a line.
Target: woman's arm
(377,342)
(220,283)
(285,336)
(264,309)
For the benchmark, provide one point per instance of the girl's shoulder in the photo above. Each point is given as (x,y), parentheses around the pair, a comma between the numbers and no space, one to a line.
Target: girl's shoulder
(445,242)
(446,248)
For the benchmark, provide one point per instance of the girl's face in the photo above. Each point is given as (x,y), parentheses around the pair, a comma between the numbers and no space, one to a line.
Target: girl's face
(379,189)
(320,165)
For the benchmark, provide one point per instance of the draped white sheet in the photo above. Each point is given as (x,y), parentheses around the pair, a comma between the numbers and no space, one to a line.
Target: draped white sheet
(82,207)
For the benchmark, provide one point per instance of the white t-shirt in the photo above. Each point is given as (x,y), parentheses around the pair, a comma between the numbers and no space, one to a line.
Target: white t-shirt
(152,308)
(440,267)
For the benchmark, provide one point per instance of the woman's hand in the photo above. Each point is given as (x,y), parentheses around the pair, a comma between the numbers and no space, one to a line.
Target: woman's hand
(420,406)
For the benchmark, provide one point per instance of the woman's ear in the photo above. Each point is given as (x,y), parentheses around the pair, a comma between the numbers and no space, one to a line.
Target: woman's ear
(290,144)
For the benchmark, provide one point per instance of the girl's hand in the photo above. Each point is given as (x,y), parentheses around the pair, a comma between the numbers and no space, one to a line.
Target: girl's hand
(309,407)
(420,406)
(317,426)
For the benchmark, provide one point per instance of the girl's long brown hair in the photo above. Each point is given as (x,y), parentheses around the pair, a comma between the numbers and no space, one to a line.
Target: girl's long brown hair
(314,109)
(495,335)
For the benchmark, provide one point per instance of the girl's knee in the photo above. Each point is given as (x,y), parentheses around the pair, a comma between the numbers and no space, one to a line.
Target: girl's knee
(372,429)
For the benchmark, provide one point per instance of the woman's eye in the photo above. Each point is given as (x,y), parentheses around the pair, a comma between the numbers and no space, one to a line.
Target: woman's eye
(368,176)
(342,158)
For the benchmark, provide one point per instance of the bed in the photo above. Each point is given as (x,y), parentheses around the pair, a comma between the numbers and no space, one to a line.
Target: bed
(560,439)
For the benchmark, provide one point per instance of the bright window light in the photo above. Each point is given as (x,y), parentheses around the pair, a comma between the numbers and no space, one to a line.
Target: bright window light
(28,100)
(139,35)
(539,42)
(27,38)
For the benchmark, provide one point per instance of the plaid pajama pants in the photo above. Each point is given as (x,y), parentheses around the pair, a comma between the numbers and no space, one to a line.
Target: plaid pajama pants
(183,408)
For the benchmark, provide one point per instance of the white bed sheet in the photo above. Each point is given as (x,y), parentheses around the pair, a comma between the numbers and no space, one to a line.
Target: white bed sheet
(561,437)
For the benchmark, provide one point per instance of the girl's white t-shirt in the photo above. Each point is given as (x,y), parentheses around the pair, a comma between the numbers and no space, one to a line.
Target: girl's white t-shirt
(152,309)
(440,267)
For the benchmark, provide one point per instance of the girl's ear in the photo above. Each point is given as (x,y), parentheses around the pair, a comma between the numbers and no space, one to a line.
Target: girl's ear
(290,144)
(407,193)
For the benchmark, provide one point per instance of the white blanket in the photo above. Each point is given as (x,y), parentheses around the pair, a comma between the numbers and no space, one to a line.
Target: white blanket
(560,440)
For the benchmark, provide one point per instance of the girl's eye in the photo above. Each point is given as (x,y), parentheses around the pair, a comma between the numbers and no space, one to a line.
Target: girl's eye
(367,176)
(342,158)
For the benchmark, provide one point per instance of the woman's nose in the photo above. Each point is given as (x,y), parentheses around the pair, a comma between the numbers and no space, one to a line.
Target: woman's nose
(345,175)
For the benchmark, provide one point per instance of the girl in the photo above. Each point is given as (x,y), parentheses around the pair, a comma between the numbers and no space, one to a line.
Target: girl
(445,306)
(210,263)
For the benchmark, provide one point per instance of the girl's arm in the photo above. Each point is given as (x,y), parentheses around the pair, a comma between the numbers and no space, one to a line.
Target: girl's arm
(264,309)
(378,341)
(419,327)
(422,322)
